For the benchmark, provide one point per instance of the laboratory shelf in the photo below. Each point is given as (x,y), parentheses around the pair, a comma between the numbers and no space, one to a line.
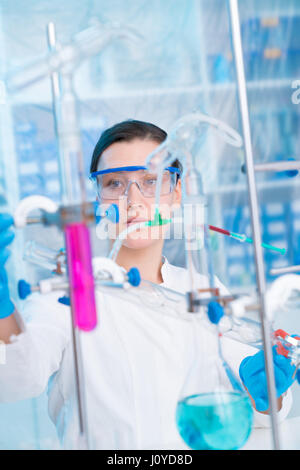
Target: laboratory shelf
(116,94)
(268,192)
(89,94)
(280,184)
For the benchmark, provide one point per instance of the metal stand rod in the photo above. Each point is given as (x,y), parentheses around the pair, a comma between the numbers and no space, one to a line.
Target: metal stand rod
(80,392)
(66,196)
(56,95)
(260,275)
(287,269)
(278,166)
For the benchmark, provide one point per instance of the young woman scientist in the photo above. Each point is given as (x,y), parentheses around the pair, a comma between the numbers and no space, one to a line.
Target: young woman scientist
(135,361)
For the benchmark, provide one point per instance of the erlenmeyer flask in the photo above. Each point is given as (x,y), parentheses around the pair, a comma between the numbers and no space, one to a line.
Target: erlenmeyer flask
(214,411)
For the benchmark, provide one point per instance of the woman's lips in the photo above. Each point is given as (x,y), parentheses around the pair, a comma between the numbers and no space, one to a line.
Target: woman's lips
(136,221)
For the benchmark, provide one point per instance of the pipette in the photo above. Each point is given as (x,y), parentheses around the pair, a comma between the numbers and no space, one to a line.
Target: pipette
(243,238)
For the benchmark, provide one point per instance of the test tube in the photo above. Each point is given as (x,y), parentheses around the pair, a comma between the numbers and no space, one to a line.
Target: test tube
(81,277)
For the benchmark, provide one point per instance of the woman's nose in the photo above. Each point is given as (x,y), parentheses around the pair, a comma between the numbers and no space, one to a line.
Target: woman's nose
(133,192)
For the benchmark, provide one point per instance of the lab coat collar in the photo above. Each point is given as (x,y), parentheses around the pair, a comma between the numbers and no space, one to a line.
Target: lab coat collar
(164,269)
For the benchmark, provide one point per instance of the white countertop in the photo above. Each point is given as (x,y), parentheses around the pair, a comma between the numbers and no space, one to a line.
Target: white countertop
(289,436)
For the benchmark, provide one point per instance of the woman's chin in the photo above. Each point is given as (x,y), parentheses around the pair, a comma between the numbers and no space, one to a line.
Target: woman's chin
(137,241)
(138,244)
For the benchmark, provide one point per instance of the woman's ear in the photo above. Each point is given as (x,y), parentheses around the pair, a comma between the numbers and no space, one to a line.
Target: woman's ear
(177,195)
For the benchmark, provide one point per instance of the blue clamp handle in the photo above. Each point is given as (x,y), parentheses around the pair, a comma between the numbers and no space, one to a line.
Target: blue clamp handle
(64,300)
(134,277)
(215,312)
(24,289)
(291,173)
(112,213)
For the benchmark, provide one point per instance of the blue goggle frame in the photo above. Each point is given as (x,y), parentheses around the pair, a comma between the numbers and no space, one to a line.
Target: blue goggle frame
(94,174)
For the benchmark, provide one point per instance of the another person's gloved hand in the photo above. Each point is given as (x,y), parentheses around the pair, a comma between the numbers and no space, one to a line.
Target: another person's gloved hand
(253,376)
(6,237)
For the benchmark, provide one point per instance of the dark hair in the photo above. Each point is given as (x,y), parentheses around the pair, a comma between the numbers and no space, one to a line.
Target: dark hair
(127,131)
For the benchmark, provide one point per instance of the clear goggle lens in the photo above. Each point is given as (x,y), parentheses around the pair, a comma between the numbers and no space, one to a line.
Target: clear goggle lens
(116,184)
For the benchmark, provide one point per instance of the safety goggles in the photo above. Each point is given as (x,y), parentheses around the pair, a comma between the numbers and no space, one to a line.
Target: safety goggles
(114,183)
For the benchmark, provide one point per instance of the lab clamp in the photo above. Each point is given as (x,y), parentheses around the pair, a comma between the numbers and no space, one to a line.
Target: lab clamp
(76,214)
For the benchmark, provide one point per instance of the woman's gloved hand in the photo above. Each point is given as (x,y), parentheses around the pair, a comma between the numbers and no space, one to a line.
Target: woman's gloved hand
(6,237)
(253,375)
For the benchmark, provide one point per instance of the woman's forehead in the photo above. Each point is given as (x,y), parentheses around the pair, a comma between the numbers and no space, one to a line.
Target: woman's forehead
(132,153)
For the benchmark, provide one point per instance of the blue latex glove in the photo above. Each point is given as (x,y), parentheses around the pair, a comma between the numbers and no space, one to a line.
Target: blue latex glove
(6,237)
(253,375)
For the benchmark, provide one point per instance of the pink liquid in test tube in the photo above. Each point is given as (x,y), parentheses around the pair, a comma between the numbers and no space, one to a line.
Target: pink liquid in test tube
(81,278)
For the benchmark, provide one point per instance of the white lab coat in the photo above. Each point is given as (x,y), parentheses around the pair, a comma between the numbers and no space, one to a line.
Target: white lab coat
(135,363)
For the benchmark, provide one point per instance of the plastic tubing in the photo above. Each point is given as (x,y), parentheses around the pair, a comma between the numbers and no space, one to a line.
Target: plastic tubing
(118,242)
(158,220)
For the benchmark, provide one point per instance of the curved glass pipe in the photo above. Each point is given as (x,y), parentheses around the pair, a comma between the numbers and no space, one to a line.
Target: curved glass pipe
(183,135)
(180,143)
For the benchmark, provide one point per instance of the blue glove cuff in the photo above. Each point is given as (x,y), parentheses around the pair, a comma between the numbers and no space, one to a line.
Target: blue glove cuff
(241,368)
(6,308)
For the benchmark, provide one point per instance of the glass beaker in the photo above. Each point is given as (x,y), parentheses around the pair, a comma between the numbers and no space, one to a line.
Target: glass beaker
(214,411)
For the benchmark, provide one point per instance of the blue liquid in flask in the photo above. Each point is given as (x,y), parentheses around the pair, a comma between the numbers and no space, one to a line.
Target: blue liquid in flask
(215,421)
